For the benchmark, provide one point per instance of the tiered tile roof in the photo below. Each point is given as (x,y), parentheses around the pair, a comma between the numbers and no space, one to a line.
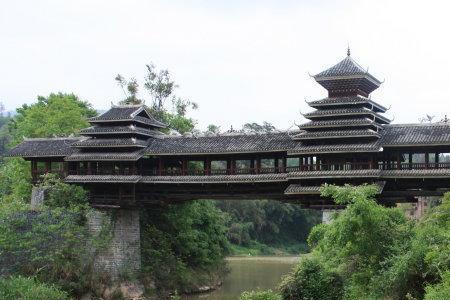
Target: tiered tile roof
(347,120)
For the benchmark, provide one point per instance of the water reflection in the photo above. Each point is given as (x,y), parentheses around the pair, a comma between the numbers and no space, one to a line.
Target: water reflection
(250,273)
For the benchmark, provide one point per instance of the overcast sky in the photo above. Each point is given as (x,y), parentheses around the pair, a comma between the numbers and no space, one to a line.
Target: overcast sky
(241,61)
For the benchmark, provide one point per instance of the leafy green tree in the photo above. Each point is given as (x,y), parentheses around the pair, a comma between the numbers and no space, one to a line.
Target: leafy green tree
(422,261)
(182,245)
(56,115)
(353,249)
(15,181)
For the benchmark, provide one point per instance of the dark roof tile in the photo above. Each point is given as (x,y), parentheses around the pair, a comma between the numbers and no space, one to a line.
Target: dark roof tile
(368,173)
(333,134)
(221,144)
(416,134)
(124,142)
(346,101)
(80,155)
(335,148)
(103,178)
(44,147)
(279,177)
(127,113)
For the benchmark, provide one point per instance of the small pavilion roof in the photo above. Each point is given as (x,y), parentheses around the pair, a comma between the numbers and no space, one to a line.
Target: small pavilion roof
(129,113)
(345,68)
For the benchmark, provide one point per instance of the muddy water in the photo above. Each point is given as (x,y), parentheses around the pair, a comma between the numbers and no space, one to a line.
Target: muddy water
(250,273)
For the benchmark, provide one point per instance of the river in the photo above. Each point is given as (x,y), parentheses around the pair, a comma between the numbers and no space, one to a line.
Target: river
(249,273)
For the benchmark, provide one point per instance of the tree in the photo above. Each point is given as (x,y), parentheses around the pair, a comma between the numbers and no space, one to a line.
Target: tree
(427,119)
(56,115)
(353,249)
(161,88)
(130,89)
(265,127)
(159,85)
(182,243)
(212,129)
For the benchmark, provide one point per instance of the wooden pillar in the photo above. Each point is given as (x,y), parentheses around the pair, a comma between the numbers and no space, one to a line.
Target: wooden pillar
(276,165)
(89,168)
(207,166)
(427,160)
(47,167)
(258,165)
(34,170)
(410,160)
(284,159)
(183,166)
(160,166)
(436,160)
(252,166)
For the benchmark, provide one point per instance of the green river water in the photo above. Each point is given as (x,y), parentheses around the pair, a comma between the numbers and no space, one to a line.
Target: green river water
(249,273)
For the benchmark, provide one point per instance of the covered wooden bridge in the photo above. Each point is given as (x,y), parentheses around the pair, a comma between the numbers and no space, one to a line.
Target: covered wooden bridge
(125,159)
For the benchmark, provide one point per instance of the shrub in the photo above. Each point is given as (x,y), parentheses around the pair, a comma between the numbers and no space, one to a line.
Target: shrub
(311,280)
(260,295)
(22,288)
(439,291)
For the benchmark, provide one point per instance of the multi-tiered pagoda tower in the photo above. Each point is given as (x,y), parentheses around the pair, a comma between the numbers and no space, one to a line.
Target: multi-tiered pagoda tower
(115,142)
(347,121)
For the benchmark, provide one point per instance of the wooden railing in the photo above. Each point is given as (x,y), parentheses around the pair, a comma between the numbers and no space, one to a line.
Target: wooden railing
(128,171)
(37,174)
(234,171)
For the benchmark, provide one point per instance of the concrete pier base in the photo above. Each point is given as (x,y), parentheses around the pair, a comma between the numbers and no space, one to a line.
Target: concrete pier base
(122,252)
(38,196)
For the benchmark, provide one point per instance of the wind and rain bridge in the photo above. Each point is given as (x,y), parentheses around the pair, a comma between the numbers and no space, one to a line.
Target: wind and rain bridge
(126,161)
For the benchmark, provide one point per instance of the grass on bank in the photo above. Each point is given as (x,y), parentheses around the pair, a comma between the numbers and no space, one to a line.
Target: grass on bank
(255,248)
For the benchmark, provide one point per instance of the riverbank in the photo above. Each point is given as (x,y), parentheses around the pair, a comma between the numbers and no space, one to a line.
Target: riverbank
(259,249)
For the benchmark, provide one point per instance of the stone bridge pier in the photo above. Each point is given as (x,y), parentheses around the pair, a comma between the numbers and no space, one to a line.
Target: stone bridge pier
(119,229)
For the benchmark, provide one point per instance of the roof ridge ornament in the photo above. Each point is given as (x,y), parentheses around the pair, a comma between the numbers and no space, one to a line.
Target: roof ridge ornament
(348,49)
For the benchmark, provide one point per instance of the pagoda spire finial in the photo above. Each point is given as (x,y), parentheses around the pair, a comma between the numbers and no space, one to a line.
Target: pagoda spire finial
(348,50)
